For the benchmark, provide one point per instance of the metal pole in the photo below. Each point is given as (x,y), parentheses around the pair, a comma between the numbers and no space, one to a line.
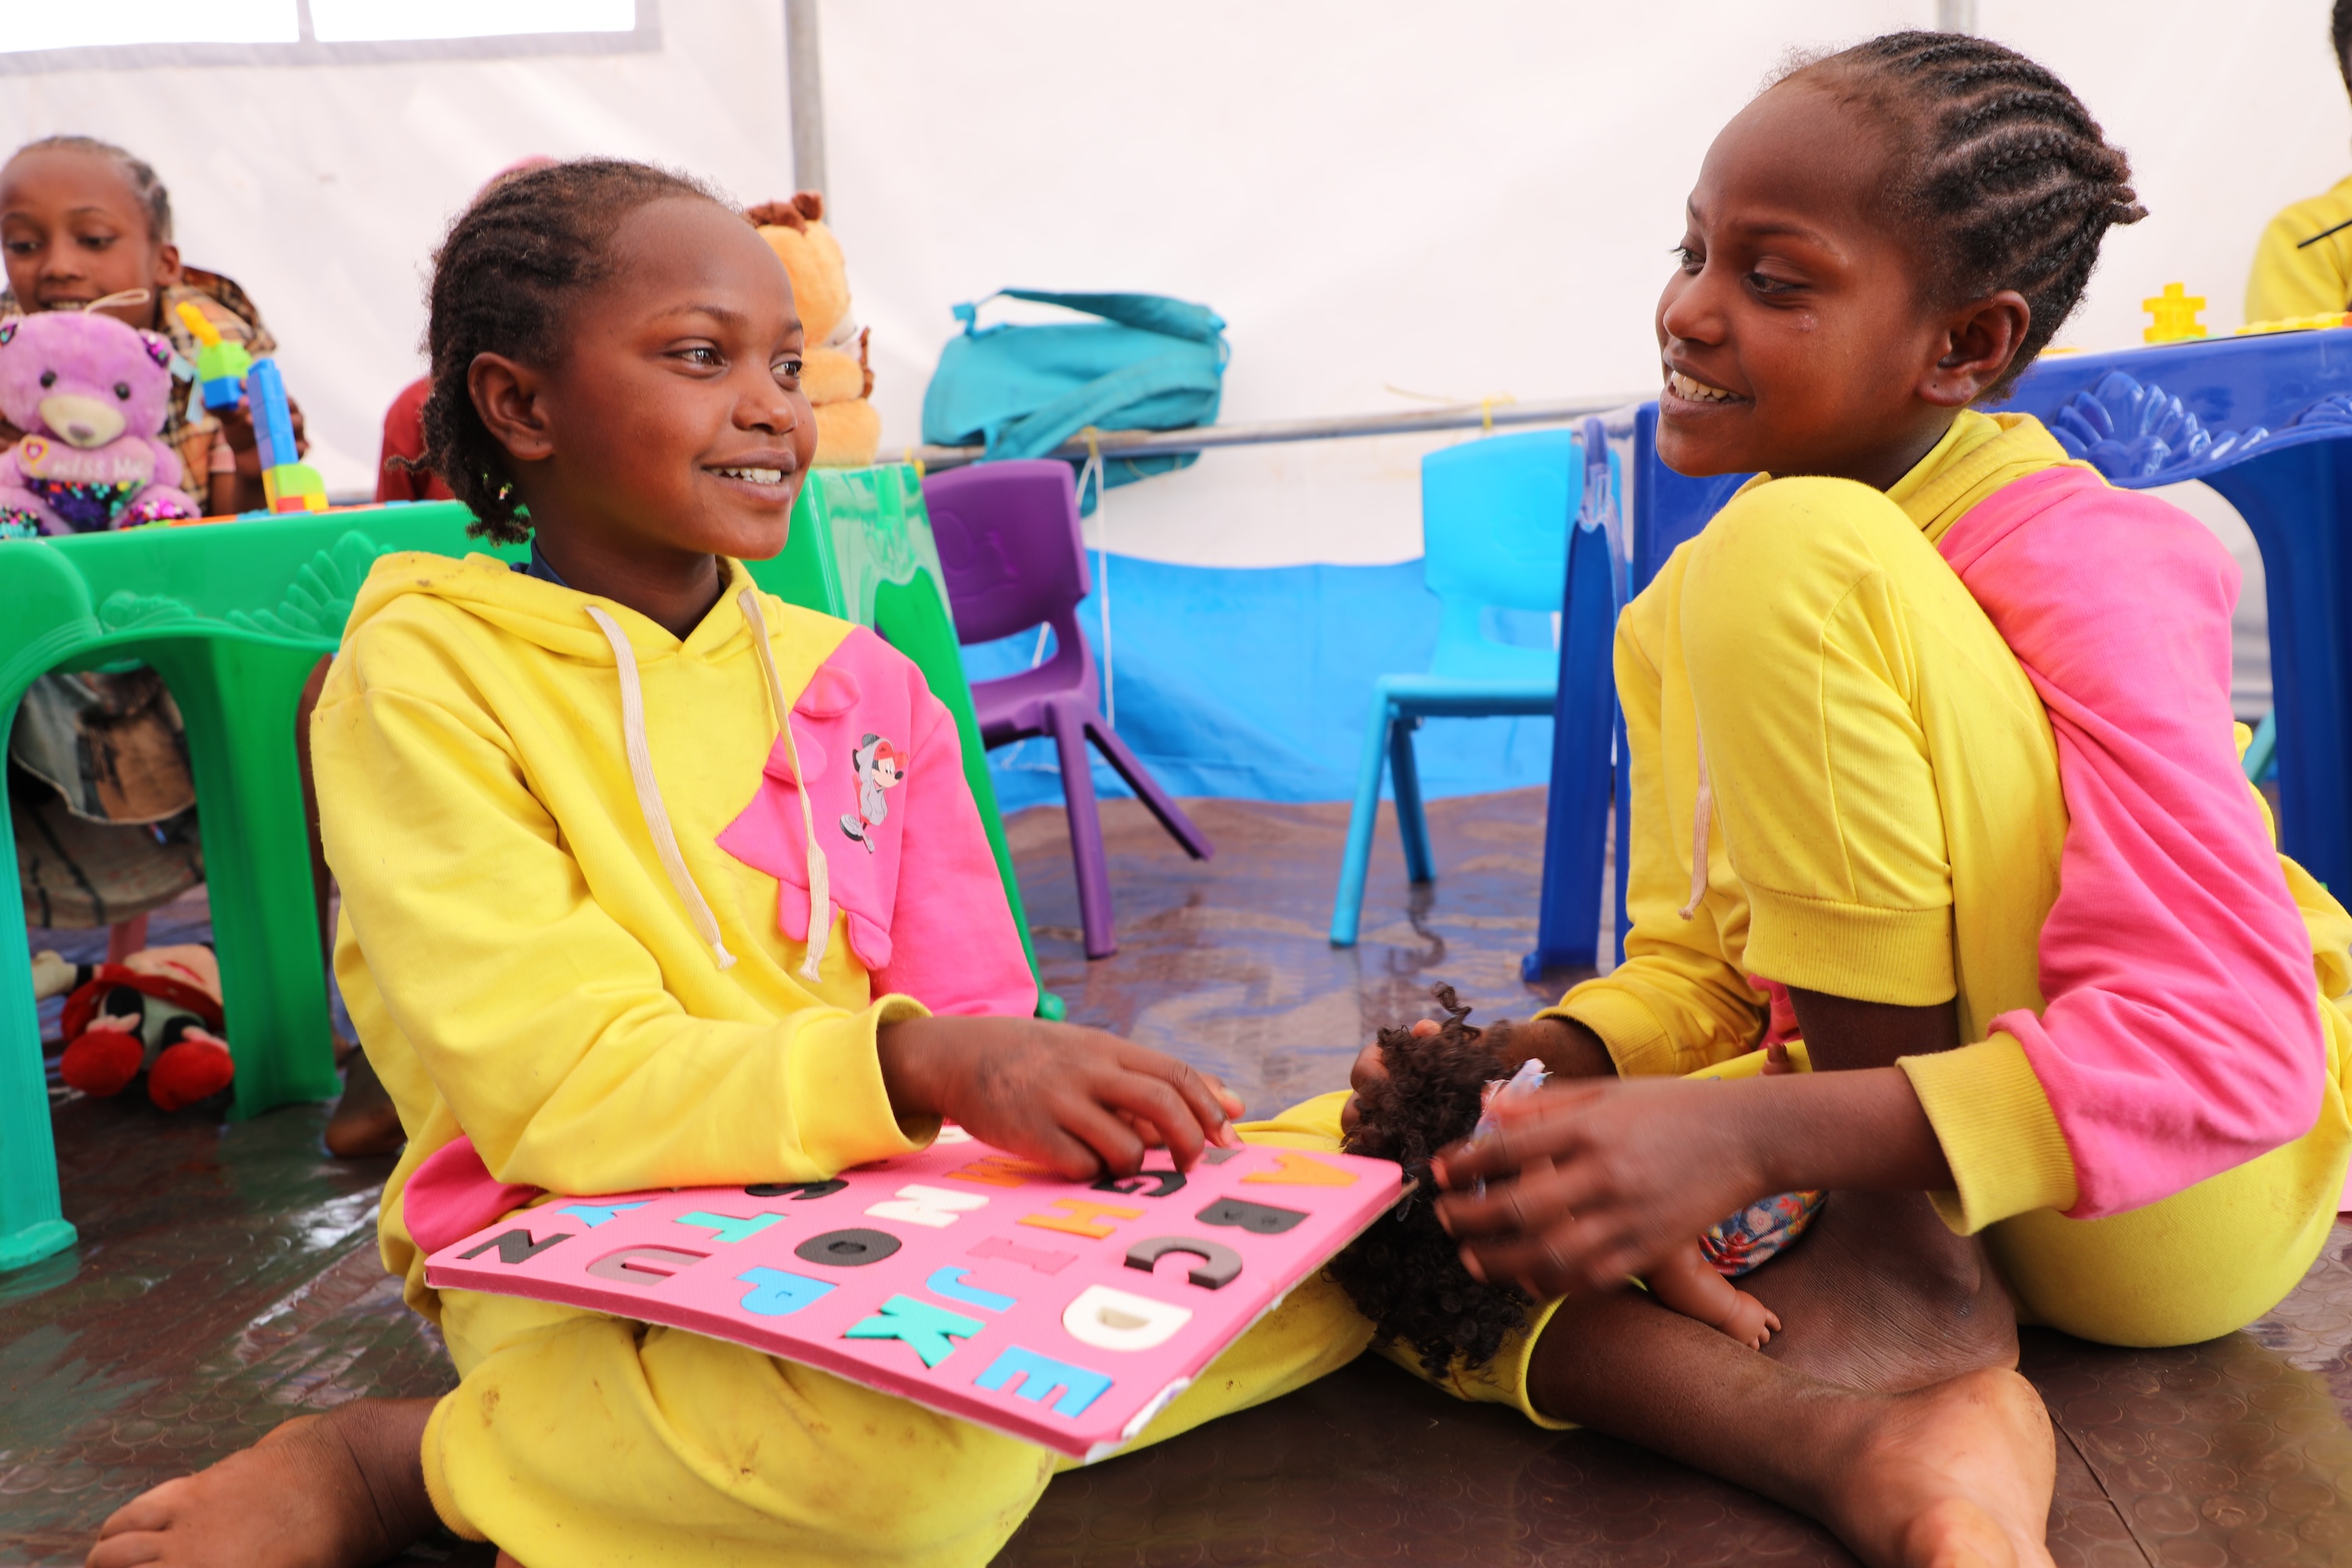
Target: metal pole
(805,67)
(1209,438)
(1956,15)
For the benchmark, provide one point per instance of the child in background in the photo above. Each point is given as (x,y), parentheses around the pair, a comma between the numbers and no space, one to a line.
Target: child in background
(2303,265)
(603,930)
(81,219)
(1931,727)
(400,470)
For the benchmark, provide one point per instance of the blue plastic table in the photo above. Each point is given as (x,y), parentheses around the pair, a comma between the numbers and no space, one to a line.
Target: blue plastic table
(2263,420)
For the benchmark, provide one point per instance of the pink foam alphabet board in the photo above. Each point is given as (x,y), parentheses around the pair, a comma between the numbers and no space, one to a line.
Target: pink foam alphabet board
(962,1277)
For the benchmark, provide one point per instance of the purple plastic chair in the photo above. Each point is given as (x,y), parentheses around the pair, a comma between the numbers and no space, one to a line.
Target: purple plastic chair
(1009,542)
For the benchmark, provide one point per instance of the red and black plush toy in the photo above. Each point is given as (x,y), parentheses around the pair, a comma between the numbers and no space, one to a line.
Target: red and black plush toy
(157,1012)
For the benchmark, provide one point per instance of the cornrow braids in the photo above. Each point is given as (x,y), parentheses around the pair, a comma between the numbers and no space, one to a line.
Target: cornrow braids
(503,282)
(137,173)
(1999,162)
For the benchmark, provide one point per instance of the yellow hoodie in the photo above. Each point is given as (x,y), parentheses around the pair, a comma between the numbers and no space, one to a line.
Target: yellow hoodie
(545,943)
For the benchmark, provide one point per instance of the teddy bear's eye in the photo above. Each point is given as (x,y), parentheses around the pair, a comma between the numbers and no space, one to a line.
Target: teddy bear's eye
(49,378)
(122,390)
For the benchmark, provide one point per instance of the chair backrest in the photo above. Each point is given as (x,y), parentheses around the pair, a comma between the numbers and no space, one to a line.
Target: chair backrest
(1494,515)
(1009,542)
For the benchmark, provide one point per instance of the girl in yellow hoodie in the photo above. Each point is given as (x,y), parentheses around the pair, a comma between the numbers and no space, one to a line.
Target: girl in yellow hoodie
(652,880)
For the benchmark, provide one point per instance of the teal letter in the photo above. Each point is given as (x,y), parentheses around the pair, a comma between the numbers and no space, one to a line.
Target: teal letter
(593,1214)
(927,1328)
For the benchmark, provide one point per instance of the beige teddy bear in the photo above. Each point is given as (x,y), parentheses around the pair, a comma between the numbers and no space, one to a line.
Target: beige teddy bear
(833,369)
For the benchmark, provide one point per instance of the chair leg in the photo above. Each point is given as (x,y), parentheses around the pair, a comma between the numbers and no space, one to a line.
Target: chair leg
(1146,789)
(1348,904)
(1413,826)
(1086,857)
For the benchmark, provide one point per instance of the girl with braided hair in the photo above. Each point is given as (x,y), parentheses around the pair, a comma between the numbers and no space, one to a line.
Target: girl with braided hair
(604,930)
(1930,735)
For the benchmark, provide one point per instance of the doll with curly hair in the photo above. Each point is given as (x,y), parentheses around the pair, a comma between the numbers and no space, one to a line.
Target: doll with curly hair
(1405,1273)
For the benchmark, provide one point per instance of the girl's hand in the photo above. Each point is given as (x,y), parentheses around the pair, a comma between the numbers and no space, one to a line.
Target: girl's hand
(1076,1099)
(237,427)
(1589,1183)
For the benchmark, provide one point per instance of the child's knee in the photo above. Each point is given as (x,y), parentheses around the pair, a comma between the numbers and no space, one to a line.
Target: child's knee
(1798,532)
(1776,568)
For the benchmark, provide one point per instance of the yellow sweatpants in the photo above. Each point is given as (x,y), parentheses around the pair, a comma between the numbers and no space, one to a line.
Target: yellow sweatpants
(1887,825)
(575,1439)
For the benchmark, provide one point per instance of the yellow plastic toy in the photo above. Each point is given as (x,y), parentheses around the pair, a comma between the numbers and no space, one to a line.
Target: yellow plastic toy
(2175,310)
(2319,322)
(221,365)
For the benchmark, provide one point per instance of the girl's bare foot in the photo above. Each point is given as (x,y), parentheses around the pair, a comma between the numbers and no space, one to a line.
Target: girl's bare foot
(319,1491)
(1881,1296)
(1956,1476)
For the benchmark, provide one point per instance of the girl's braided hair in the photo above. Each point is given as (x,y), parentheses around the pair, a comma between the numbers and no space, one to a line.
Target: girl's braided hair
(137,173)
(1405,1273)
(2000,164)
(503,282)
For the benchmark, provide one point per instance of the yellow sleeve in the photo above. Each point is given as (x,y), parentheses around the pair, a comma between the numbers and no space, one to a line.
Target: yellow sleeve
(2291,279)
(540,1021)
(1997,1131)
(1676,1004)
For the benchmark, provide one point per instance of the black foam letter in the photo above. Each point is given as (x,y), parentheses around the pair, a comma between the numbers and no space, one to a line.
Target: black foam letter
(1218,1266)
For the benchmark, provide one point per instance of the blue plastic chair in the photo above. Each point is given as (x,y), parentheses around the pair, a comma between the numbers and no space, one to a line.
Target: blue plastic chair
(1494,522)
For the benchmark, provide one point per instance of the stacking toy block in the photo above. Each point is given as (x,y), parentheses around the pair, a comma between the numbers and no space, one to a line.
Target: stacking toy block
(221,365)
(2173,315)
(234,614)
(289,483)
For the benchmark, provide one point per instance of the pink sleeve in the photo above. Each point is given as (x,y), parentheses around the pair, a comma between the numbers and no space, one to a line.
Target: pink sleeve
(953,946)
(2181,1035)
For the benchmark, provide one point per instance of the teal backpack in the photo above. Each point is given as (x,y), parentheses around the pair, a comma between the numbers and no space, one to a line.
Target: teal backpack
(1148,364)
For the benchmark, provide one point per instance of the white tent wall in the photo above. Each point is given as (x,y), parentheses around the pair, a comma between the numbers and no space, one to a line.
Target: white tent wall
(1462,201)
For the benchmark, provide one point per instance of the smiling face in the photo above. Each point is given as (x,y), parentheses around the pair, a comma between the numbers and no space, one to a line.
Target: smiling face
(673,428)
(72,230)
(1799,335)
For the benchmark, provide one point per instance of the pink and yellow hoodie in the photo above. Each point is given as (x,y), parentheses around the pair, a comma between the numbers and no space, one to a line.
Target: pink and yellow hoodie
(626,910)
(2191,979)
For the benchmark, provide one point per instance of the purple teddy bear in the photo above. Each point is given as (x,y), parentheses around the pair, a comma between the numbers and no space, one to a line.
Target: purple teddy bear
(92,395)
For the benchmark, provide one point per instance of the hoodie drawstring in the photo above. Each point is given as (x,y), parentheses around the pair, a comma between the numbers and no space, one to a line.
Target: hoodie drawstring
(1705,809)
(820,871)
(649,799)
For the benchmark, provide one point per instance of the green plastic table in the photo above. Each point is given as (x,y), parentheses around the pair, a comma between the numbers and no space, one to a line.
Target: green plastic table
(234,615)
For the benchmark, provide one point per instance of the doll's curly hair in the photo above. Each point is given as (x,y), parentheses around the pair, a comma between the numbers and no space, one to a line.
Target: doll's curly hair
(504,282)
(1405,1273)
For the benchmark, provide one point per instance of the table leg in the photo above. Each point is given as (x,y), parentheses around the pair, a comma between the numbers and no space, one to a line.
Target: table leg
(238,699)
(2298,502)
(32,1223)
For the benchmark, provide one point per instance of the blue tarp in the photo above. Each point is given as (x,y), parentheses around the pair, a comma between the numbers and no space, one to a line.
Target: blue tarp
(1257,683)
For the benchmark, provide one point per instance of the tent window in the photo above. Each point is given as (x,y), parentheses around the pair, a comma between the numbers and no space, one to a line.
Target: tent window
(152,22)
(373,21)
(123,34)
